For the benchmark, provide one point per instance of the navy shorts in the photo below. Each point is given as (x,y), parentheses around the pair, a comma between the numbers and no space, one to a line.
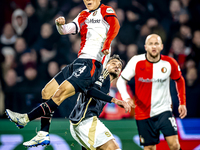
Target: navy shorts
(82,73)
(149,129)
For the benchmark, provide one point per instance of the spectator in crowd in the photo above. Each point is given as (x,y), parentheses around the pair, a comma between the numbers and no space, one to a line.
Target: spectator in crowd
(141,38)
(120,49)
(11,90)
(51,69)
(45,11)
(9,59)
(32,30)
(20,45)
(132,50)
(196,46)
(47,43)
(178,51)
(171,23)
(30,97)
(72,55)
(185,33)
(22,55)
(155,27)
(8,37)
(19,21)
(193,88)
(130,28)
(121,15)
(192,94)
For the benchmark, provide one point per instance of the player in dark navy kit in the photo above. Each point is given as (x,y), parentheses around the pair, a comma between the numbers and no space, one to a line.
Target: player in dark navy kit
(85,126)
(42,137)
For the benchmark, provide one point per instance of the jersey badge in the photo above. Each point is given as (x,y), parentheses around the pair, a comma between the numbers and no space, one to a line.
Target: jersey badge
(164,70)
(109,10)
(94,13)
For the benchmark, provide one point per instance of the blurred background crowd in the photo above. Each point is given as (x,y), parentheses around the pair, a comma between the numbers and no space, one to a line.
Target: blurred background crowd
(32,51)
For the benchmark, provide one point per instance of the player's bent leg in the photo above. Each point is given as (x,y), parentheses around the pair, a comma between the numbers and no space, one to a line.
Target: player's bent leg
(65,90)
(49,89)
(173,142)
(42,138)
(110,145)
(150,147)
(47,92)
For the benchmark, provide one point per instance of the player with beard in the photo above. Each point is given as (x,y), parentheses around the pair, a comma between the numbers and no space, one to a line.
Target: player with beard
(87,107)
(85,126)
(153,112)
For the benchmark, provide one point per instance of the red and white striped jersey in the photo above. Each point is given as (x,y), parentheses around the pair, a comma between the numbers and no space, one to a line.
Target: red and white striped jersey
(152,93)
(97,29)
(93,27)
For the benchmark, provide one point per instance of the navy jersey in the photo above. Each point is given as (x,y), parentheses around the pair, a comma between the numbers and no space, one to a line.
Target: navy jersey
(86,106)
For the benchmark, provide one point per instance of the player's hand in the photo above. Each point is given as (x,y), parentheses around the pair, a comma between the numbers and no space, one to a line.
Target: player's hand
(122,104)
(106,52)
(130,102)
(182,111)
(60,21)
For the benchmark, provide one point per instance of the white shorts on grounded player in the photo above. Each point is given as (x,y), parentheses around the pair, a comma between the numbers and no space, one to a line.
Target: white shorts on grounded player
(91,133)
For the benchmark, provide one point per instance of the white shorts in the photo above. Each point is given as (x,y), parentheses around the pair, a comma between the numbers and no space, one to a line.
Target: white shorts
(91,133)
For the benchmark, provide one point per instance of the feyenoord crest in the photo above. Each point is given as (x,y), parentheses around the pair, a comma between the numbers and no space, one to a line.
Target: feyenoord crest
(94,13)
(164,69)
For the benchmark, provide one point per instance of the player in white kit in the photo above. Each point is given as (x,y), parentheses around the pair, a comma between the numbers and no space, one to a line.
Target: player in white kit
(153,113)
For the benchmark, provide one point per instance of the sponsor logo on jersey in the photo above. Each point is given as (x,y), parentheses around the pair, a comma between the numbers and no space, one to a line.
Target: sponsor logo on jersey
(163,70)
(152,80)
(92,20)
(94,13)
(109,10)
(142,69)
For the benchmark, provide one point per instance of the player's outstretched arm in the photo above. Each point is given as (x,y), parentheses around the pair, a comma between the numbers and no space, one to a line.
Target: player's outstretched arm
(65,28)
(122,104)
(93,92)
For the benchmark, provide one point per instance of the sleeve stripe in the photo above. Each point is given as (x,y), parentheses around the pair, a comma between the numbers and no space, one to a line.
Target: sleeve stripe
(110,16)
(76,28)
(178,79)
(124,78)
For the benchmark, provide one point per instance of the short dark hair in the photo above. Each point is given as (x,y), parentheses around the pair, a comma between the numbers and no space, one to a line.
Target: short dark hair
(115,56)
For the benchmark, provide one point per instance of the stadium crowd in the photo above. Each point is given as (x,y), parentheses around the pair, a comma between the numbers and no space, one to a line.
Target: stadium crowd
(32,51)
